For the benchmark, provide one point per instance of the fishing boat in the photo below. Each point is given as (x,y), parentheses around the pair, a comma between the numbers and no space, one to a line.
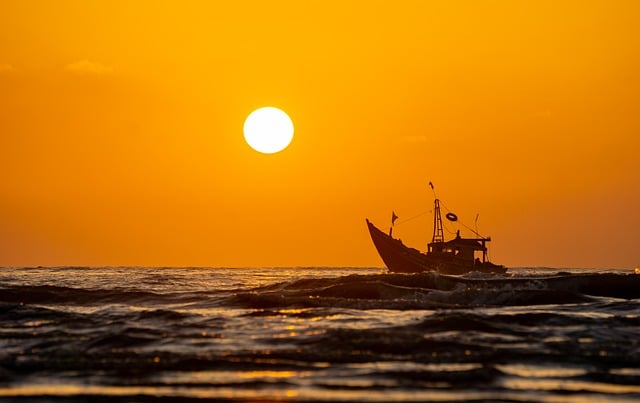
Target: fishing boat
(456,256)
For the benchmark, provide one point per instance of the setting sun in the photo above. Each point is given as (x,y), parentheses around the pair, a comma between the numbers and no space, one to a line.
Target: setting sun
(268,130)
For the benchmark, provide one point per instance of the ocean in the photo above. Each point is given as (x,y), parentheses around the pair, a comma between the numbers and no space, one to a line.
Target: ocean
(312,334)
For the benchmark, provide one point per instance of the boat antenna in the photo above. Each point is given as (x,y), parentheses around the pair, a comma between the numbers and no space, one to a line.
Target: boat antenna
(438,233)
(433,190)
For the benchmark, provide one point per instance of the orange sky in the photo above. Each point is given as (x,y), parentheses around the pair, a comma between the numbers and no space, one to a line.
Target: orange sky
(121,130)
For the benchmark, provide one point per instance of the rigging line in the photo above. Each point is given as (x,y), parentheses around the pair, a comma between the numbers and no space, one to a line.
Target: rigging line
(447,226)
(412,218)
(471,229)
(460,221)
(449,231)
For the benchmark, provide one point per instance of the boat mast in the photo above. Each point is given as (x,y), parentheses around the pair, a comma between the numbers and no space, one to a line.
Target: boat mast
(438,233)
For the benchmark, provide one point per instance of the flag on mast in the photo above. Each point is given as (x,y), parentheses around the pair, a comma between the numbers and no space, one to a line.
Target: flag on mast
(394,217)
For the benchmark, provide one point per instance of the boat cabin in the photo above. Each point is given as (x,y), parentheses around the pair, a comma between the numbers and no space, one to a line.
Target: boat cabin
(461,248)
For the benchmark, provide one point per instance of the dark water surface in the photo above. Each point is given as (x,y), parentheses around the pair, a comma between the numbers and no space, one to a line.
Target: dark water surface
(317,334)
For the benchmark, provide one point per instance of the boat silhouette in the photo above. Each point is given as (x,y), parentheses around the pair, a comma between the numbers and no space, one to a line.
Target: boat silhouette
(456,256)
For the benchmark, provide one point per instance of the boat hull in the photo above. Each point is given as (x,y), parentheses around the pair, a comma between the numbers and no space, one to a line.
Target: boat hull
(400,258)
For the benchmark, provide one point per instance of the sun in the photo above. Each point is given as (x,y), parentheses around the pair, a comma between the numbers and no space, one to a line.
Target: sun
(268,130)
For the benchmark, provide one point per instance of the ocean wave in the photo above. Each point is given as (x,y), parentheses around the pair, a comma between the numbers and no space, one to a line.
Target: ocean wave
(51,295)
(371,291)
(432,291)
(360,337)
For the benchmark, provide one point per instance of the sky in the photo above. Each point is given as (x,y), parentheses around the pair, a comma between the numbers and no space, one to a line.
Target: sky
(121,130)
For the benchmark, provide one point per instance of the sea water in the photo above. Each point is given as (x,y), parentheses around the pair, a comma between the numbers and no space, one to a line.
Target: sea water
(317,334)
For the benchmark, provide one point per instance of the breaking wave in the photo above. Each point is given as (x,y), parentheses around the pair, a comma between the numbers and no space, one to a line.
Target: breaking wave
(433,290)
